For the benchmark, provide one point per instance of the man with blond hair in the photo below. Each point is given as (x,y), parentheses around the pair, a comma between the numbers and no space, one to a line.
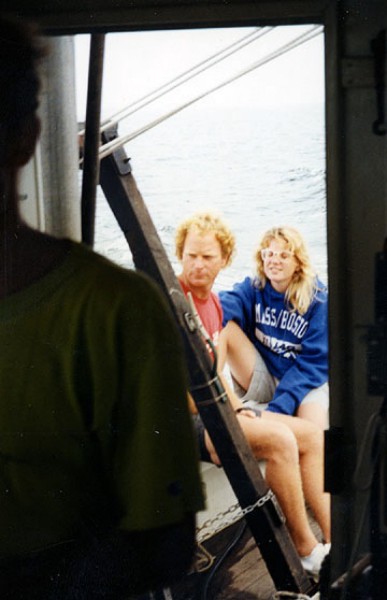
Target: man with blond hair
(292,447)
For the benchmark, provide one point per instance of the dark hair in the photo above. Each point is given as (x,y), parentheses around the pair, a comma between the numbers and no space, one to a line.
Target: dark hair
(21,50)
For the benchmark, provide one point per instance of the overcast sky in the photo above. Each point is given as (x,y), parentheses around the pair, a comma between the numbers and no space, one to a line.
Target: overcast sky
(137,63)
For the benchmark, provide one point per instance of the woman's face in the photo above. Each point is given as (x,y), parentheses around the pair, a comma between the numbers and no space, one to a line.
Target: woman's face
(279,265)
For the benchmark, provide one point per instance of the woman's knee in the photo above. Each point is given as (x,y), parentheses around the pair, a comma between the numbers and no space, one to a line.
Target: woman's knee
(285,445)
(308,434)
(273,441)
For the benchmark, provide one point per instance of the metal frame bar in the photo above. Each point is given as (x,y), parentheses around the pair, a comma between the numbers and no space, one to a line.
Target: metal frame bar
(72,17)
(92,137)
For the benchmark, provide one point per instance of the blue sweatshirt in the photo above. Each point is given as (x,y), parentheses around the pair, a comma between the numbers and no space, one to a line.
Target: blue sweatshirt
(293,346)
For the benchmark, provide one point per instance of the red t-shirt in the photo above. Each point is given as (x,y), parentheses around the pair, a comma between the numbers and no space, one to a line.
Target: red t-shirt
(209,311)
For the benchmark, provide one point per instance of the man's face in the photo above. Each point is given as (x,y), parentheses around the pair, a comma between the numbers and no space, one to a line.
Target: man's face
(201,261)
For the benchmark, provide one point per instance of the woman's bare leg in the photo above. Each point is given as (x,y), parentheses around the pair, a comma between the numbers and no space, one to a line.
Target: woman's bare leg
(313,412)
(310,441)
(275,443)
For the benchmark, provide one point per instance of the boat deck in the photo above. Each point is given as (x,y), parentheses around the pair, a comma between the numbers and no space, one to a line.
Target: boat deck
(236,570)
(229,565)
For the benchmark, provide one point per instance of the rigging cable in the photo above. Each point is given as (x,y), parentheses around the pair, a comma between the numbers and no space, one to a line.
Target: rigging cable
(184,77)
(110,147)
(209,578)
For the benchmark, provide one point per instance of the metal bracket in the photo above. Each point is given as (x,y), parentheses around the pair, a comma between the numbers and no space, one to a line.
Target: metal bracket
(121,161)
(378,47)
(377,334)
(377,360)
(369,72)
(357,72)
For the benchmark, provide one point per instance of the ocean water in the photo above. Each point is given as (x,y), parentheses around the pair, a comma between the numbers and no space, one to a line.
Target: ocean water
(257,167)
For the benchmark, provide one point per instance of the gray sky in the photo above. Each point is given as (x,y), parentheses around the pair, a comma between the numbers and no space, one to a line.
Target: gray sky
(137,63)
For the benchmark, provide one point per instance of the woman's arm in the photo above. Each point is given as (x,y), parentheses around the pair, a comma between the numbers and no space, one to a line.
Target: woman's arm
(309,370)
(238,304)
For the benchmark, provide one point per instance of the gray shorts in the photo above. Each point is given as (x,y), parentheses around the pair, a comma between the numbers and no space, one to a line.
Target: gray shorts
(263,386)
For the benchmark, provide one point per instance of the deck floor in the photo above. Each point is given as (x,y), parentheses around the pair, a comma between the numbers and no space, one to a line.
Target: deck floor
(231,566)
(243,574)
(239,574)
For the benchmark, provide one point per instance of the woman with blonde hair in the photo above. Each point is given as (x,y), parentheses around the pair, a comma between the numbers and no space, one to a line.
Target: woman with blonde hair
(275,336)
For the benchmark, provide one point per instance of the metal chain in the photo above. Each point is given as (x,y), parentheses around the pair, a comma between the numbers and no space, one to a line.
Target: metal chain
(294,595)
(228,517)
(260,502)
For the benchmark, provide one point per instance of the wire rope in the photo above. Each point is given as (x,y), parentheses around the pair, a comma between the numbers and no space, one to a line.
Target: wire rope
(112,146)
(209,578)
(184,77)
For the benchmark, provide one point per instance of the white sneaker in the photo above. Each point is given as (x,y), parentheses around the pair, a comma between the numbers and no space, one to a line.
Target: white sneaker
(312,563)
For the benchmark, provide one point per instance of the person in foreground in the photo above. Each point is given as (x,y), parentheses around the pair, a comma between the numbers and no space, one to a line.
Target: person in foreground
(99,481)
(276,330)
(292,447)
